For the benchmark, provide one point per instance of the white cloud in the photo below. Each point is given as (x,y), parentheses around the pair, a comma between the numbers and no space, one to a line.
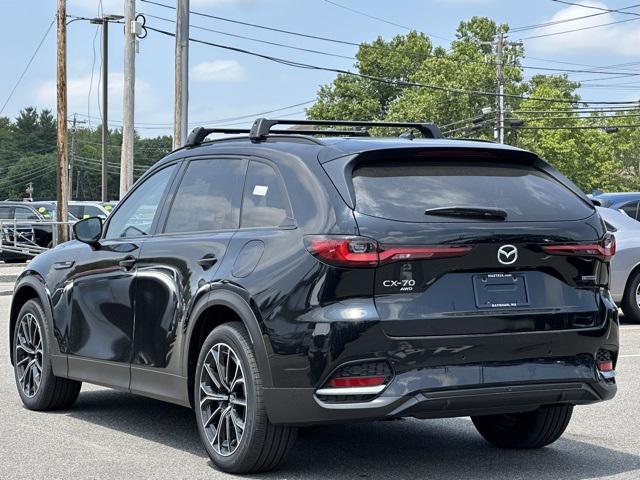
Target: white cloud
(621,38)
(93,7)
(218,71)
(78,95)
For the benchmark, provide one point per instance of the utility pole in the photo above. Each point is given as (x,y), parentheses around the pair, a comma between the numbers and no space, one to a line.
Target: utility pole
(181,107)
(499,129)
(62,167)
(104,21)
(72,161)
(126,155)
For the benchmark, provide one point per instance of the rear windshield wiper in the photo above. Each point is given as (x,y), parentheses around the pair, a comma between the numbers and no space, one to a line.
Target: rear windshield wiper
(470,212)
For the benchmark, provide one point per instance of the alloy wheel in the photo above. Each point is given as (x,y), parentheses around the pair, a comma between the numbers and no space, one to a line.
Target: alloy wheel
(638,295)
(29,355)
(223,399)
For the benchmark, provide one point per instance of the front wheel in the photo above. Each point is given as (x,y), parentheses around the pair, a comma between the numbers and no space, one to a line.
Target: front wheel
(229,404)
(525,430)
(38,387)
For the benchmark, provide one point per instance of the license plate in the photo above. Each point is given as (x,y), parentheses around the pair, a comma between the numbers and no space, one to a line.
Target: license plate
(500,290)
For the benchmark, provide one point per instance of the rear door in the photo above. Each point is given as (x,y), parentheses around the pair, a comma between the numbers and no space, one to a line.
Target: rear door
(177,267)
(452,272)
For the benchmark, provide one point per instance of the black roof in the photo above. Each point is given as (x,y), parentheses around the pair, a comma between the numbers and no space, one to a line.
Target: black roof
(315,144)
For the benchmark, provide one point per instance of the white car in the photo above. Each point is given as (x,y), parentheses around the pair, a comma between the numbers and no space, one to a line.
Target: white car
(625,265)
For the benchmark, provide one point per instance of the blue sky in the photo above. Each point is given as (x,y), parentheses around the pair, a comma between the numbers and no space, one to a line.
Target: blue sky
(225,84)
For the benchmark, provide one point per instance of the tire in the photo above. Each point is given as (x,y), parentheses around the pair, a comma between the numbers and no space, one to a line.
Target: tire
(260,445)
(629,304)
(38,387)
(525,430)
(15,260)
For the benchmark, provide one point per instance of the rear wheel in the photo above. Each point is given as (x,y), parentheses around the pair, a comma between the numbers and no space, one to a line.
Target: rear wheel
(525,430)
(38,387)
(229,403)
(631,300)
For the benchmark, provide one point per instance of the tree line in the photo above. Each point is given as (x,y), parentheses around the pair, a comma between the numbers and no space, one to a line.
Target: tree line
(28,156)
(559,132)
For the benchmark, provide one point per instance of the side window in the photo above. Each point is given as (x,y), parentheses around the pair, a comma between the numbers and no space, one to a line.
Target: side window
(6,213)
(631,209)
(23,213)
(76,210)
(135,216)
(207,197)
(264,203)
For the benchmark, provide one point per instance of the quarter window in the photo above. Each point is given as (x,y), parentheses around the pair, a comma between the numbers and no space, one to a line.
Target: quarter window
(135,216)
(207,197)
(23,213)
(264,203)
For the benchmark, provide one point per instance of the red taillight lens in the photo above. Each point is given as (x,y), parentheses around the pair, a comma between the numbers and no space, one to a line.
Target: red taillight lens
(605,249)
(347,382)
(353,251)
(605,366)
(343,251)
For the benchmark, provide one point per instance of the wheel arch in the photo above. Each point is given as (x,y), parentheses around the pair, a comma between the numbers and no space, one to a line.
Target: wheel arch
(223,305)
(632,272)
(28,287)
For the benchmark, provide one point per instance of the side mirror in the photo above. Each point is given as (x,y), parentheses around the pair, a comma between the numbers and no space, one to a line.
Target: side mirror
(88,230)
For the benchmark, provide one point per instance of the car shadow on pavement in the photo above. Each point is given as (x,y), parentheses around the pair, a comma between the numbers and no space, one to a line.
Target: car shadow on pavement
(406,448)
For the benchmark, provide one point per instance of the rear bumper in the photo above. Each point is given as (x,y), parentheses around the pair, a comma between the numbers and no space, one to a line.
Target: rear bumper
(301,406)
(440,376)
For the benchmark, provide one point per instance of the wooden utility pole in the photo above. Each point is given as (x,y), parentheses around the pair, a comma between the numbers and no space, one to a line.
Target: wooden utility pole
(105,107)
(499,130)
(181,113)
(126,155)
(62,167)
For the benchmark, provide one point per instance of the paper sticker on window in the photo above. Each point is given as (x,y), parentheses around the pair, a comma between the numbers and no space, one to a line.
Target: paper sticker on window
(260,190)
(42,209)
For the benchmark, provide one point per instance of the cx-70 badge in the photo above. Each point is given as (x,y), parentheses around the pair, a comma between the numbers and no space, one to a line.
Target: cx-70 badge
(507,254)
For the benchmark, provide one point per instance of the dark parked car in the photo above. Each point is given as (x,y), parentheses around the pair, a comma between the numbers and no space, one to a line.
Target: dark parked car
(27,233)
(628,202)
(286,279)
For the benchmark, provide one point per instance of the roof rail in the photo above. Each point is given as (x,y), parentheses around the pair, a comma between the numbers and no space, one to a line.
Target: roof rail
(263,127)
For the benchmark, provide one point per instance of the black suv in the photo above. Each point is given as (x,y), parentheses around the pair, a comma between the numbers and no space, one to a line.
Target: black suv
(289,278)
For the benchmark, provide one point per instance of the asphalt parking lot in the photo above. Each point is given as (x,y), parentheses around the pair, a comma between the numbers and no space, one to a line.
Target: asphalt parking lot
(109,434)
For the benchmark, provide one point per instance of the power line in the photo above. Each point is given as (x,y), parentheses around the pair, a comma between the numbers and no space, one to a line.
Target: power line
(388,22)
(253,39)
(33,56)
(399,83)
(580,29)
(254,25)
(575,127)
(605,10)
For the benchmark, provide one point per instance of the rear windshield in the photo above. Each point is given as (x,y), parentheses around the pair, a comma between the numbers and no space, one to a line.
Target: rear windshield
(403,190)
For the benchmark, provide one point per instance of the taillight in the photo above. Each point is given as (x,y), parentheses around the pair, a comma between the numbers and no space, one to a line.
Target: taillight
(354,251)
(604,249)
(343,251)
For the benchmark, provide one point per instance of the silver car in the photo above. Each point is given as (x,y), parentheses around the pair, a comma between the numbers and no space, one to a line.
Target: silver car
(625,265)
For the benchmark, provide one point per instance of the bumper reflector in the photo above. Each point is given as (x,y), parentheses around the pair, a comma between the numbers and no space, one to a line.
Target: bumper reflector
(350,382)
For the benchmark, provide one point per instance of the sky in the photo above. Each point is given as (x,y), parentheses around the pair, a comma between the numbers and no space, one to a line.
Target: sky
(225,85)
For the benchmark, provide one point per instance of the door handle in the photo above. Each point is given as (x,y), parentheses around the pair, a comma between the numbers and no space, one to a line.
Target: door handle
(127,263)
(208,261)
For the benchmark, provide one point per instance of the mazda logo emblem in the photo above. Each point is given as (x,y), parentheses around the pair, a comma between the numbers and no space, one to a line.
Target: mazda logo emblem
(507,254)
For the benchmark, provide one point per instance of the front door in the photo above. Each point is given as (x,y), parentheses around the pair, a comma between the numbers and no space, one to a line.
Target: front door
(103,285)
(177,267)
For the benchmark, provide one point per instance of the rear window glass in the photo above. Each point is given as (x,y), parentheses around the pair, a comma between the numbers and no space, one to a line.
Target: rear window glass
(404,190)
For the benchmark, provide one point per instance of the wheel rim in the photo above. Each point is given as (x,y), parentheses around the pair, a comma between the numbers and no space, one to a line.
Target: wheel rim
(223,399)
(638,295)
(29,355)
